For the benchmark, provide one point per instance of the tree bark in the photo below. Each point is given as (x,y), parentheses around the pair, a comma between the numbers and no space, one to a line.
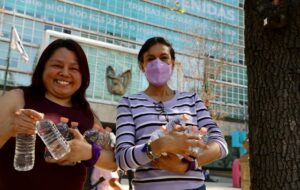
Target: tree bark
(273,66)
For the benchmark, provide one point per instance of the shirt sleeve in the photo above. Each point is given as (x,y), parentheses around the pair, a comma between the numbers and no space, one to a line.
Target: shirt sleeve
(213,131)
(128,154)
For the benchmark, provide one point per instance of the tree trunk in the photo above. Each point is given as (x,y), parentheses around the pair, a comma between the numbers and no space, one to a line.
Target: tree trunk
(273,66)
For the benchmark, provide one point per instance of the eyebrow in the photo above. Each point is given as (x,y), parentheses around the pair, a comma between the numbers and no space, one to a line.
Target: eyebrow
(151,55)
(60,61)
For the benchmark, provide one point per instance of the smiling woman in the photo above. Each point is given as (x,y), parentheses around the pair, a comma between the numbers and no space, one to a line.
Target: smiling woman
(58,89)
(62,76)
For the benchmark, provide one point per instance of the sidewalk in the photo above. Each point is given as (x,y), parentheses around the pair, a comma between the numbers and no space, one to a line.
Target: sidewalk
(224,183)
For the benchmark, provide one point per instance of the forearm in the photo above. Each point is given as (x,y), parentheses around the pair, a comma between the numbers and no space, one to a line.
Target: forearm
(212,153)
(129,158)
(4,138)
(107,160)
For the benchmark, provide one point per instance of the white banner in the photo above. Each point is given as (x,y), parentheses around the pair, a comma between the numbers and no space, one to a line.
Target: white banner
(17,43)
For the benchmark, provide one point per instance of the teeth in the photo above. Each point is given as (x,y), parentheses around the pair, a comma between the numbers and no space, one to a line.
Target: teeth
(63,82)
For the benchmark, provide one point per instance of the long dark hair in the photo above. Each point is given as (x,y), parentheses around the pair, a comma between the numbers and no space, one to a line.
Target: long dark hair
(151,42)
(37,86)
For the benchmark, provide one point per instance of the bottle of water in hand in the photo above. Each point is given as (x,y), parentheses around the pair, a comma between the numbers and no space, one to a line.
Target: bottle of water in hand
(202,134)
(178,120)
(53,139)
(24,152)
(63,128)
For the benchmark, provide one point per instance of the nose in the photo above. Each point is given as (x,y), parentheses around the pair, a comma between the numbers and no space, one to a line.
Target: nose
(65,71)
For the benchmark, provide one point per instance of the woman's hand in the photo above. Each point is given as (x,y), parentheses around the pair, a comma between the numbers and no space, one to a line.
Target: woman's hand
(24,121)
(80,150)
(179,142)
(170,162)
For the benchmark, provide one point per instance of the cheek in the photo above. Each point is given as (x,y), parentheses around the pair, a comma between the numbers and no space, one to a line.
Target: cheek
(50,72)
(79,79)
(144,66)
(45,77)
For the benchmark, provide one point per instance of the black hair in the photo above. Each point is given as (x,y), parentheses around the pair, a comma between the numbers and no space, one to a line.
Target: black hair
(37,85)
(151,42)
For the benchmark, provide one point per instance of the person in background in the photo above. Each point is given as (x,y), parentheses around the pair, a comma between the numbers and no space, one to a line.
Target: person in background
(102,179)
(105,180)
(130,176)
(139,115)
(58,89)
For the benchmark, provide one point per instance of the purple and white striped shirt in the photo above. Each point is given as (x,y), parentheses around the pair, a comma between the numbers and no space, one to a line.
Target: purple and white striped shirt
(138,116)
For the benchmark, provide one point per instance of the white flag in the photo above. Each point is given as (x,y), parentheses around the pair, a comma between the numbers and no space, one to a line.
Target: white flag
(17,43)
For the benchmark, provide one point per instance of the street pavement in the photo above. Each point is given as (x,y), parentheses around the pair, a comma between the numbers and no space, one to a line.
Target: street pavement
(224,183)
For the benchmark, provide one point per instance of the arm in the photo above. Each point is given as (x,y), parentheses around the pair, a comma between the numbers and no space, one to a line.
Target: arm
(107,158)
(81,150)
(128,154)
(11,101)
(216,144)
(131,156)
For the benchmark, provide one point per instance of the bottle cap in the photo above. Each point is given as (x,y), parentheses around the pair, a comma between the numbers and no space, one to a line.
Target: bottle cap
(64,119)
(98,127)
(185,117)
(203,130)
(74,124)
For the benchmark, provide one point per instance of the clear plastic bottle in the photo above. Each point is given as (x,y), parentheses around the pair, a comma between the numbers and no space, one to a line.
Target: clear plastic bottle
(179,120)
(202,134)
(52,138)
(24,152)
(104,138)
(74,125)
(63,128)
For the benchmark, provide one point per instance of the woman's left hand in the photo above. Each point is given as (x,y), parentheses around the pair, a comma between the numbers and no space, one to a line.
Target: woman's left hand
(80,150)
(170,162)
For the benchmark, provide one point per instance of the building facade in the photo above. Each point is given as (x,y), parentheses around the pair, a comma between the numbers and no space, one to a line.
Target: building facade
(207,35)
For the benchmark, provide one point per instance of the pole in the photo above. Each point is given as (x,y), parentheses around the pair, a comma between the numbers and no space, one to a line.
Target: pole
(8,62)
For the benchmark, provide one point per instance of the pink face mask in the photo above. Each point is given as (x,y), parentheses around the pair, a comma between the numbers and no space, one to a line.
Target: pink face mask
(158,72)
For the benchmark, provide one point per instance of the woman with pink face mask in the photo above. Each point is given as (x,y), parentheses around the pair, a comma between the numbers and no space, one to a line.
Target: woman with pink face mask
(167,162)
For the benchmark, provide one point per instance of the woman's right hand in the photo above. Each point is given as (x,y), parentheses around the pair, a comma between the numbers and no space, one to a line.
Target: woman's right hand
(24,121)
(170,162)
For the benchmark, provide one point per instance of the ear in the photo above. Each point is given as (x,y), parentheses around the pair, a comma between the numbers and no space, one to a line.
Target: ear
(110,71)
(141,65)
(173,63)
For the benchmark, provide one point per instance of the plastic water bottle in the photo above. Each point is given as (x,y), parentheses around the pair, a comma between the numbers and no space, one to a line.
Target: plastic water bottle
(63,128)
(163,130)
(74,125)
(53,139)
(179,120)
(24,152)
(103,137)
(202,134)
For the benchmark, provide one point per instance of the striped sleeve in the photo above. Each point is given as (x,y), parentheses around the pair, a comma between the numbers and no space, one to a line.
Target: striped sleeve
(213,131)
(128,154)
